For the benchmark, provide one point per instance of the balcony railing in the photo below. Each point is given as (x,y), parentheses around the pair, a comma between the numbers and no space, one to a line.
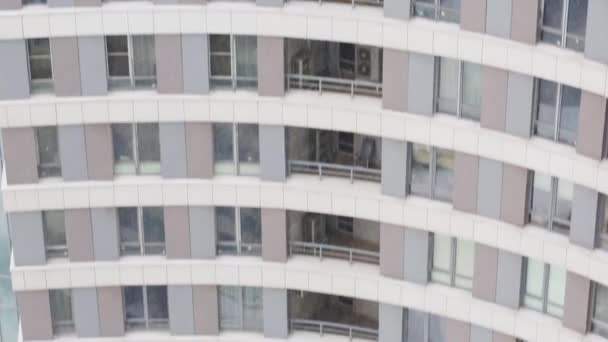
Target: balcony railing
(332,251)
(335,170)
(319,83)
(322,327)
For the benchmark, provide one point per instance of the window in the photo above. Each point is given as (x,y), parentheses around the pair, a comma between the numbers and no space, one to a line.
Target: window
(241,308)
(545,288)
(31,2)
(233,61)
(564,22)
(40,65)
(603,216)
(431,172)
(131,62)
(142,231)
(61,311)
(551,202)
(136,148)
(49,164)
(599,319)
(53,225)
(557,111)
(239,231)
(458,88)
(146,307)
(453,261)
(236,149)
(446,10)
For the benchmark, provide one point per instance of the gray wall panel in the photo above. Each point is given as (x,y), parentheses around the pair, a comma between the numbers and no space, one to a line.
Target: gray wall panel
(105,234)
(498,337)
(520,104)
(489,190)
(597,26)
(206,320)
(111,316)
(398,9)
(394,167)
(395,79)
(270,3)
(417,325)
(458,331)
(466,174)
(584,222)
(577,302)
(27,238)
(437,329)
(66,66)
(20,159)
(390,323)
(60,3)
(274,235)
(72,152)
(416,249)
(87,2)
(508,279)
(177,232)
(421,84)
(10,4)
(275,313)
(93,68)
(14,67)
(494,98)
(169,74)
(514,195)
(524,21)
(100,158)
(181,310)
(591,125)
(86,312)
(270,53)
(195,63)
(202,232)
(173,157)
(485,269)
(479,334)
(391,250)
(473,15)
(273,162)
(498,18)
(79,234)
(199,149)
(35,315)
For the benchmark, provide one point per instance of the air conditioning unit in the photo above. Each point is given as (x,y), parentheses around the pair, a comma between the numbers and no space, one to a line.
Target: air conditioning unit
(368,63)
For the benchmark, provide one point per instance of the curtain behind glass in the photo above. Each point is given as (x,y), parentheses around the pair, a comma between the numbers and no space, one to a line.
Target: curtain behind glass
(546,110)
(246,61)
(421,175)
(577,24)
(249,149)
(253,319)
(471,91)
(230,307)
(144,61)
(148,148)
(223,149)
(122,145)
(541,199)
(154,230)
(569,112)
(448,85)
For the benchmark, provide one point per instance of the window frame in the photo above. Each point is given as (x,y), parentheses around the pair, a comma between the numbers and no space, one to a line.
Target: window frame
(551,217)
(596,326)
(234,79)
(432,184)
(62,327)
(452,272)
(39,85)
(141,243)
(236,157)
(459,90)
(603,219)
(545,289)
(557,114)
(148,322)
(241,325)
(238,246)
(135,128)
(54,251)
(436,6)
(132,78)
(563,31)
(53,170)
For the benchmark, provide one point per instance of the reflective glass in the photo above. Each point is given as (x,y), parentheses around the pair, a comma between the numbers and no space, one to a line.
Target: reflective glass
(535,274)
(465,259)
(421,163)
(541,199)
(442,259)
(54,233)
(134,306)
(568,120)
(148,148)
(223,148)
(449,71)
(556,291)
(471,91)
(122,144)
(253,319)
(249,149)
(61,311)
(546,110)
(144,61)
(49,164)
(154,230)
(577,24)
(563,206)
(230,307)
(129,231)
(225,222)
(251,231)
(158,310)
(444,174)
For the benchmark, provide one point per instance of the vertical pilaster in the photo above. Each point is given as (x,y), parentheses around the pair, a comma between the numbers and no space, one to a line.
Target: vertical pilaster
(395,77)
(398,9)
(206,310)
(489,191)
(92,59)
(199,149)
(273,162)
(177,232)
(35,315)
(271,61)
(485,270)
(524,21)
(416,246)
(14,64)
(391,250)
(394,167)
(473,15)
(27,238)
(508,279)
(466,174)
(169,72)
(104,223)
(72,152)
(20,159)
(202,232)
(514,196)
(276,323)
(66,66)
(85,311)
(181,309)
(498,18)
(421,85)
(520,103)
(79,234)
(173,155)
(494,92)
(195,61)
(274,235)
(111,314)
(577,302)
(585,214)
(390,323)
(591,135)
(597,26)
(98,140)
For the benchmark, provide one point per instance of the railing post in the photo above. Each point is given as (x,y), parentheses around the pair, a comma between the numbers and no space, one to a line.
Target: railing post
(321,329)
(352,175)
(352,88)
(320,86)
(350,253)
(320,168)
(350,333)
(320,252)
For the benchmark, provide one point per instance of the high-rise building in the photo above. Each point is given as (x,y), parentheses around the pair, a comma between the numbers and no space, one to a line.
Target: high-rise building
(390,170)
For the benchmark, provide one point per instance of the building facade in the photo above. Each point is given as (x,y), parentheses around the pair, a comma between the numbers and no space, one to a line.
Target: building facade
(390,170)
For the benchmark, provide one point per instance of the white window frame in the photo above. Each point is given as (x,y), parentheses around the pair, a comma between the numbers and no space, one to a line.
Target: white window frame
(564,29)
(240,247)
(554,198)
(141,243)
(39,84)
(132,78)
(39,163)
(452,271)
(236,163)
(557,113)
(135,151)
(459,90)
(146,320)
(233,78)
(437,8)
(65,326)
(545,295)
(432,173)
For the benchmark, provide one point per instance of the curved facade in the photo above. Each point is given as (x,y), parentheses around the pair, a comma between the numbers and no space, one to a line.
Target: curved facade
(397,170)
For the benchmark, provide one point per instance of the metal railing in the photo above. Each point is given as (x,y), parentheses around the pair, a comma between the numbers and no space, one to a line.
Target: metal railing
(322,327)
(335,170)
(319,83)
(333,251)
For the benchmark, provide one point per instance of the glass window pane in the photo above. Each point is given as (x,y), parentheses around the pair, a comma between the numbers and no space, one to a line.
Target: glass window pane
(225,221)
(448,85)
(54,233)
(39,47)
(246,61)
(129,232)
(444,174)
(230,307)
(249,149)
(563,206)
(154,230)
(134,306)
(219,43)
(568,120)
(144,62)
(148,148)
(546,112)
(158,311)
(465,259)
(541,199)
(253,319)
(118,66)
(122,144)
(450,10)
(471,91)
(552,22)
(41,68)
(48,152)
(251,231)
(117,44)
(442,256)
(425,8)
(556,291)
(535,273)
(421,163)
(220,66)
(118,58)
(61,311)
(600,310)
(577,24)
(223,149)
